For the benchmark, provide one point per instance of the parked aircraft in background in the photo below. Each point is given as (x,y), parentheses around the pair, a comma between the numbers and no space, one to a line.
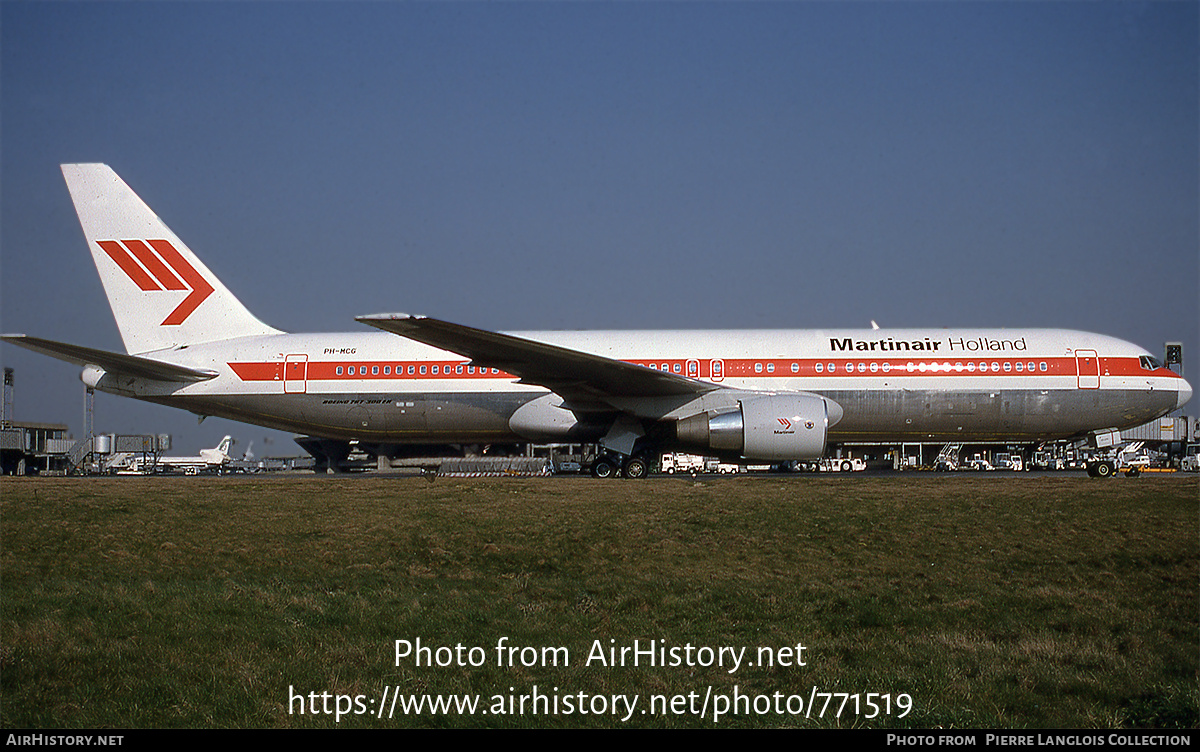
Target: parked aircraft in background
(423,383)
(209,459)
(137,463)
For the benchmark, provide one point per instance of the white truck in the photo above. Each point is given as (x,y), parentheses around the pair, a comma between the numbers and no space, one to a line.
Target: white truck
(678,462)
(838,465)
(1191,460)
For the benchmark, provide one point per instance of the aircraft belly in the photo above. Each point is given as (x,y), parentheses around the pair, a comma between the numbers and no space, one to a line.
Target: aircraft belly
(989,415)
(453,418)
(869,415)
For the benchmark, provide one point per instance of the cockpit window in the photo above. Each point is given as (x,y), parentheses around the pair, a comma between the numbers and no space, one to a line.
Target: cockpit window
(1150,363)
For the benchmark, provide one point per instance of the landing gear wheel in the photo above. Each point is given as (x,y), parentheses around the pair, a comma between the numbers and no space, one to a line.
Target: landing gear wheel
(636,467)
(604,468)
(1104,469)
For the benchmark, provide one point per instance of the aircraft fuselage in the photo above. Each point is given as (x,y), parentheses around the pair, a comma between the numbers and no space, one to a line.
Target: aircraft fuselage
(973,385)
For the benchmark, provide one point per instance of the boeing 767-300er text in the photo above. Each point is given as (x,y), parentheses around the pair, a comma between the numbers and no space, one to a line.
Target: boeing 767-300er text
(761,395)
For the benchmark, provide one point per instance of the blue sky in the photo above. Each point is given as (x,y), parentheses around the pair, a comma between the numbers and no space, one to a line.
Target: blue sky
(609,165)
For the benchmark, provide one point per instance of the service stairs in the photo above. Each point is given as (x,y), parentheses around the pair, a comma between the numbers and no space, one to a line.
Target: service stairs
(948,457)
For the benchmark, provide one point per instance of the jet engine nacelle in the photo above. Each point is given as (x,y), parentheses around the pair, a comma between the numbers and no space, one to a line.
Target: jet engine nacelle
(765,427)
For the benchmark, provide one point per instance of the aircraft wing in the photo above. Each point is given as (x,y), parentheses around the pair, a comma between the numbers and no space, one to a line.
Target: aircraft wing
(111,362)
(569,373)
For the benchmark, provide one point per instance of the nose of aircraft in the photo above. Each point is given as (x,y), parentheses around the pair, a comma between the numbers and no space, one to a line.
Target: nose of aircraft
(1185,394)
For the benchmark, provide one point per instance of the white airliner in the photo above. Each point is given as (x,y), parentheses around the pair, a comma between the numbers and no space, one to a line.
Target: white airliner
(208,459)
(761,395)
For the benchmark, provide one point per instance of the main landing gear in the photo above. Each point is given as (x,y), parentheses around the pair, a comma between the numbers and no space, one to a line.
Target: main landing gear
(612,465)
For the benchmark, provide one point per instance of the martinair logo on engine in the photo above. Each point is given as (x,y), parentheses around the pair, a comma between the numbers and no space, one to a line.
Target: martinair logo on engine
(155,266)
(786,426)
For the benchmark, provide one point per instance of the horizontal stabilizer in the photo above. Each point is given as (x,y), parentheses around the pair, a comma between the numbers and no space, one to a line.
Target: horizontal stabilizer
(114,363)
(560,369)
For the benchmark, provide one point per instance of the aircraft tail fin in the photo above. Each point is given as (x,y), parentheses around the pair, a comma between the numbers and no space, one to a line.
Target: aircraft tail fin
(161,295)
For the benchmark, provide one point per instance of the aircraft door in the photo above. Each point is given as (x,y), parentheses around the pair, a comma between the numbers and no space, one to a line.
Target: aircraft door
(295,374)
(717,370)
(693,369)
(1088,364)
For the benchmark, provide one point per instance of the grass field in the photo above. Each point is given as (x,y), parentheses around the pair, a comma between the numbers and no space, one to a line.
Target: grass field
(990,602)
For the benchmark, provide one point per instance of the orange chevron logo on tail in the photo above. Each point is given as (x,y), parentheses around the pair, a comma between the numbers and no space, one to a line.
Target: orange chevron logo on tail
(155,265)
